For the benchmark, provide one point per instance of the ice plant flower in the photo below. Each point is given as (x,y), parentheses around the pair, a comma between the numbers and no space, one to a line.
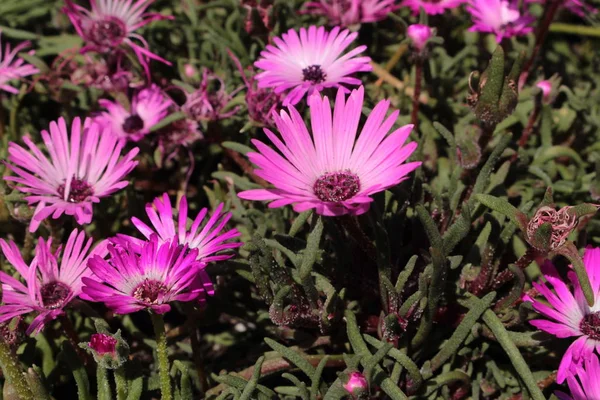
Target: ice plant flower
(148,107)
(13,67)
(432,7)
(50,284)
(351,12)
(81,170)
(206,238)
(147,278)
(419,35)
(331,170)
(499,17)
(208,103)
(356,385)
(585,383)
(309,61)
(569,312)
(112,23)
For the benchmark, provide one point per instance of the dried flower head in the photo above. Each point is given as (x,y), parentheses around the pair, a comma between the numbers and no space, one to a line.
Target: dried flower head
(562,223)
(210,101)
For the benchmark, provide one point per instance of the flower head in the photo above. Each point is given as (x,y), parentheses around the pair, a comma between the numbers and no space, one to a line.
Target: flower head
(148,107)
(584,384)
(206,238)
(81,169)
(208,104)
(562,223)
(103,344)
(419,35)
(49,285)
(147,278)
(356,385)
(351,12)
(500,17)
(569,312)
(432,7)
(11,68)
(112,23)
(331,170)
(309,61)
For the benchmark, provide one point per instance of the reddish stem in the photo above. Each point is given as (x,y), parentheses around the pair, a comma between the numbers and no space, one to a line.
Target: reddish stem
(414,116)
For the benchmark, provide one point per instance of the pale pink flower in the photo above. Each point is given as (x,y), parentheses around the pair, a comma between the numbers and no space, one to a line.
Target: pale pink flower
(584,383)
(50,285)
(351,12)
(309,61)
(432,7)
(13,67)
(331,170)
(499,17)
(81,170)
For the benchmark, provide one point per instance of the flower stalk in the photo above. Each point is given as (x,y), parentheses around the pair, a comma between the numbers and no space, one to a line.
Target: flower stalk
(13,373)
(163,358)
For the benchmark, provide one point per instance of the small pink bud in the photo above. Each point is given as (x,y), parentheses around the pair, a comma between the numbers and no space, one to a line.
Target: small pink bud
(189,70)
(103,344)
(546,87)
(419,35)
(357,384)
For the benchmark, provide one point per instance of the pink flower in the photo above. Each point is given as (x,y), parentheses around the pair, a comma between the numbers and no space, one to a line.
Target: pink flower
(150,278)
(208,103)
(351,12)
(148,107)
(585,383)
(13,69)
(331,170)
(81,170)
(569,312)
(357,384)
(419,35)
(48,288)
(432,7)
(103,344)
(208,241)
(111,23)
(309,62)
(500,17)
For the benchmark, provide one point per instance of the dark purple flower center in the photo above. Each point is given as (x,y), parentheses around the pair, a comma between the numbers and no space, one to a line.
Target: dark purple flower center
(590,325)
(314,74)
(54,294)
(149,291)
(133,124)
(79,191)
(102,343)
(337,186)
(107,32)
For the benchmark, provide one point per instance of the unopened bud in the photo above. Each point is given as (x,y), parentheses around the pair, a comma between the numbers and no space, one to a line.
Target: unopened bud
(419,35)
(357,385)
(109,351)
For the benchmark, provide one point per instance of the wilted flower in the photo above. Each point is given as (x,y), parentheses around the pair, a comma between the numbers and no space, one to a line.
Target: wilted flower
(81,170)
(562,223)
(419,35)
(208,103)
(147,278)
(148,107)
(310,61)
(499,17)
(584,384)
(351,12)
(183,132)
(48,287)
(571,314)
(331,170)
(432,7)
(356,385)
(257,11)
(111,23)
(106,73)
(11,68)
(206,238)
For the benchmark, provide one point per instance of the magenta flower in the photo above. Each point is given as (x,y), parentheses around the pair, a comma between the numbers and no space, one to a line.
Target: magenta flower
(587,387)
(331,170)
(356,385)
(149,278)
(206,238)
(81,170)
(351,12)
(499,17)
(103,344)
(13,69)
(309,62)
(569,312)
(48,287)
(112,23)
(208,103)
(432,7)
(148,107)
(419,35)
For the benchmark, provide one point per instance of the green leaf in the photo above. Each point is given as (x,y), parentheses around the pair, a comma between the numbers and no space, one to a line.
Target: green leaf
(505,208)
(168,120)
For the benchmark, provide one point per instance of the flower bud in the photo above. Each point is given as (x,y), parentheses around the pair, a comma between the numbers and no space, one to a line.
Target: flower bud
(549,88)
(357,385)
(109,351)
(419,35)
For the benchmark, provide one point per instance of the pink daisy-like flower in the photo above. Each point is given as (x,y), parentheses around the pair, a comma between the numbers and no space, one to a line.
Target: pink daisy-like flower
(432,7)
(111,23)
(571,314)
(50,285)
(351,12)
(331,170)
(13,69)
(310,61)
(81,170)
(206,238)
(585,383)
(147,278)
(148,107)
(499,17)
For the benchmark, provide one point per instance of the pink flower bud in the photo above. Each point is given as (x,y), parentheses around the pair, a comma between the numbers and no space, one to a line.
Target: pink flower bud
(357,384)
(419,35)
(546,87)
(103,344)
(189,70)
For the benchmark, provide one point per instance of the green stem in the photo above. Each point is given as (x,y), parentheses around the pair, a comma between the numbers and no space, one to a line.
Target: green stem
(12,371)
(163,357)
(104,392)
(575,29)
(121,383)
